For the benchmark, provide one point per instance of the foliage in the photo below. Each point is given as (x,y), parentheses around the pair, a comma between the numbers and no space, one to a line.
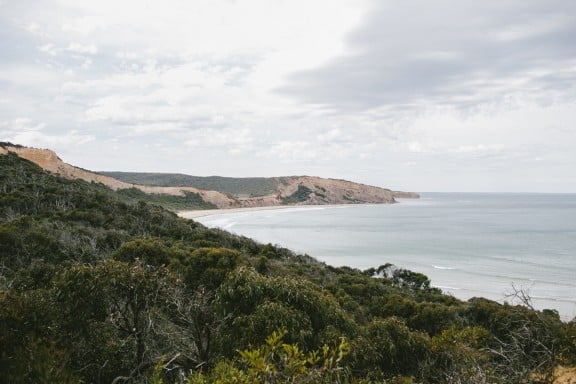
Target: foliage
(248,186)
(190,200)
(277,362)
(207,267)
(98,287)
(458,355)
(299,196)
(255,305)
(387,348)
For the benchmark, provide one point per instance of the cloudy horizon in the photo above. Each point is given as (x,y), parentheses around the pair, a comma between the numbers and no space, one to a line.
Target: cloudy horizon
(414,95)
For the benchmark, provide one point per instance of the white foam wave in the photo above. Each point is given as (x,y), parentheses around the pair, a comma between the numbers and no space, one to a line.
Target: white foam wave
(225,224)
(443,268)
(445,287)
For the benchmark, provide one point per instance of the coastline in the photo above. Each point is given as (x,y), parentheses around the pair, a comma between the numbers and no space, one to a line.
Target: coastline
(193,214)
(400,236)
(224,211)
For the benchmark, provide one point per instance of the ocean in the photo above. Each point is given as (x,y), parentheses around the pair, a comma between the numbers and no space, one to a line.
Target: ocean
(468,244)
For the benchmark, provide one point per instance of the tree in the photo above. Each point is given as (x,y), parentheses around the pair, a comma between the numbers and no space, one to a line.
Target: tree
(276,362)
(252,305)
(149,251)
(207,267)
(112,302)
(29,351)
(414,281)
(526,343)
(194,324)
(533,344)
(387,347)
(458,356)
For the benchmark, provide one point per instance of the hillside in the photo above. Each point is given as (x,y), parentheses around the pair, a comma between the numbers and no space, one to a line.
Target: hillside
(249,186)
(216,192)
(240,187)
(96,287)
(49,161)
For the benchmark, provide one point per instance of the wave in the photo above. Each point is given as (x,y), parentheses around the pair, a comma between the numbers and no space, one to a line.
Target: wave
(443,287)
(301,208)
(555,299)
(221,223)
(405,202)
(526,259)
(298,209)
(518,278)
(443,268)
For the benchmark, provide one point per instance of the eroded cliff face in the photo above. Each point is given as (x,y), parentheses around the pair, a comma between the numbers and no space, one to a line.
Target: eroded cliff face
(303,190)
(49,161)
(330,191)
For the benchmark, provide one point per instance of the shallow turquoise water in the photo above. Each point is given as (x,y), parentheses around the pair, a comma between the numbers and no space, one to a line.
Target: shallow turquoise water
(468,244)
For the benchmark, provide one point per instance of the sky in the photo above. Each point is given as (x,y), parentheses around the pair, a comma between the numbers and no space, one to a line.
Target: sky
(416,95)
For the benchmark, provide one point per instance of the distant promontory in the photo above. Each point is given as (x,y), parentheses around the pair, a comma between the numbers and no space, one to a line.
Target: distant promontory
(189,192)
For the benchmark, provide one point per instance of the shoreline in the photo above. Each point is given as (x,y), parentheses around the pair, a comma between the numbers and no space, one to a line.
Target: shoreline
(193,214)
(224,211)
(451,279)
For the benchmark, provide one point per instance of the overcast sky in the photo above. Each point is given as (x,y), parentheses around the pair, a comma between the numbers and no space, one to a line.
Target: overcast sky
(418,95)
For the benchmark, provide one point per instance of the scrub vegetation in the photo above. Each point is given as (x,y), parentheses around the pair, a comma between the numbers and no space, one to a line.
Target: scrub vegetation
(301,195)
(247,186)
(101,287)
(188,201)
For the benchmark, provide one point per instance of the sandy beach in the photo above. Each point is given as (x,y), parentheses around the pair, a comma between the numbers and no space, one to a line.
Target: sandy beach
(211,212)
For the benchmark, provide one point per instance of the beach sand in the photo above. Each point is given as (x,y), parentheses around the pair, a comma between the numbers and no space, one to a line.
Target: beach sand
(211,212)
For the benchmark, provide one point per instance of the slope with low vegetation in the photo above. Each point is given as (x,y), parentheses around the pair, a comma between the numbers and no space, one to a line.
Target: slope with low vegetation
(99,287)
(244,187)
(170,197)
(248,186)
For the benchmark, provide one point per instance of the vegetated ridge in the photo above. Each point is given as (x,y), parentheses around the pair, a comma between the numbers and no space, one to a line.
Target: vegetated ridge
(240,187)
(217,192)
(97,287)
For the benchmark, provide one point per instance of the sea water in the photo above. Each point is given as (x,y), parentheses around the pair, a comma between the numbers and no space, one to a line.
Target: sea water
(469,245)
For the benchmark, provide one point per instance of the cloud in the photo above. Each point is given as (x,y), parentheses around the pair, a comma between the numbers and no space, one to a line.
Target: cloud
(25,131)
(177,98)
(317,151)
(157,67)
(293,151)
(405,91)
(83,48)
(21,124)
(48,48)
(415,53)
(233,141)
